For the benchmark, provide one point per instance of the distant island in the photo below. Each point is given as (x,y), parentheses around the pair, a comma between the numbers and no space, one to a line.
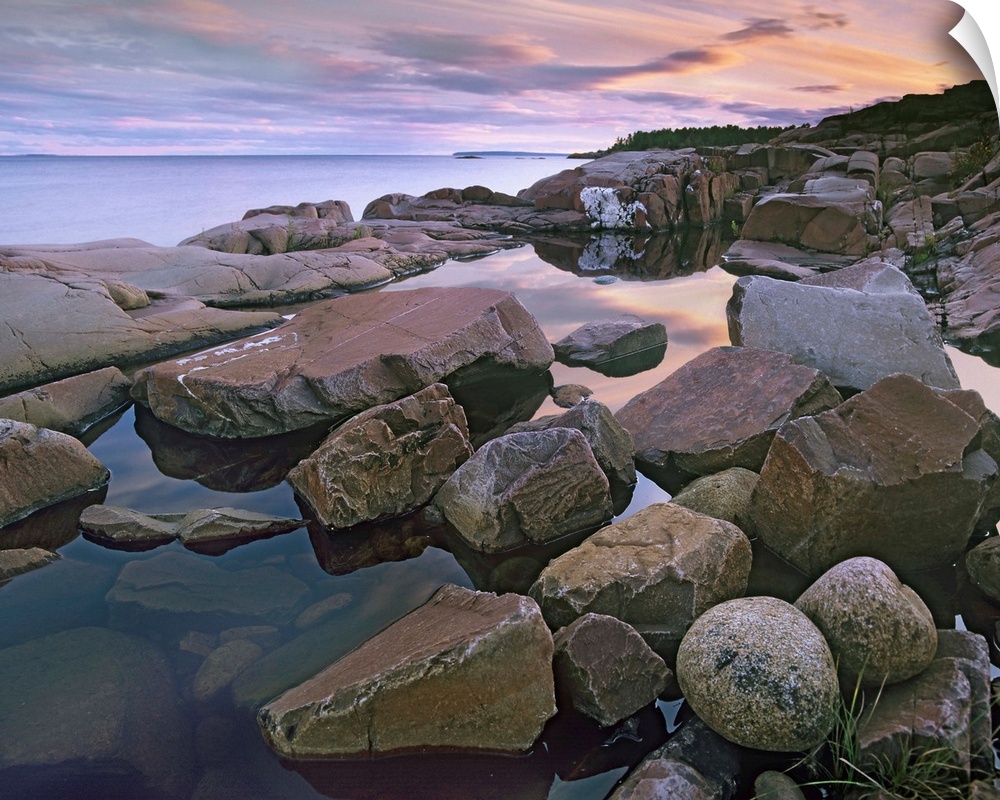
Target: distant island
(517,153)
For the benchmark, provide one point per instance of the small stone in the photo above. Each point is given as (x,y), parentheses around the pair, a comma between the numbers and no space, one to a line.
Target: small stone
(570,394)
(606,668)
(318,612)
(222,666)
(17,562)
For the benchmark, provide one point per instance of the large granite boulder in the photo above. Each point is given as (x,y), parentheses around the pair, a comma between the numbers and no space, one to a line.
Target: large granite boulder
(385,462)
(606,669)
(879,630)
(657,570)
(759,673)
(982,563)
(855,325)
(42,468)
(611,443)
(91,707)
(526,487)
(830,214)
(54,329)
(600,342)
(343,356)
(720,410)
(71,405)
(467,670)
(898,459)
(724,495)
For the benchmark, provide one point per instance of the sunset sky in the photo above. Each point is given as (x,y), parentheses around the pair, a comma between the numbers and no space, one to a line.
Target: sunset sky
(95,77)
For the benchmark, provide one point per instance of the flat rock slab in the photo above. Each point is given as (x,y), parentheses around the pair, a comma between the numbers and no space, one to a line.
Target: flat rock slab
(899,459)
(71,405)
(856,325)
(54,329)
(93,697)
(42,468)
(16,562)
(385,462)
(467,670)
(340,357)
(720,410)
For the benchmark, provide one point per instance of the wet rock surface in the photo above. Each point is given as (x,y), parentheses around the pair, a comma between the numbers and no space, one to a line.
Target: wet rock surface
(341,357)
(744,395)
(602,341)
(467,670)
(758,672)
(899,454)
(385,462)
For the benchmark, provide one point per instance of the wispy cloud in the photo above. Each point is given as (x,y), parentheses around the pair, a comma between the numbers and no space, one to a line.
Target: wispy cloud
(757,29)
(823,88)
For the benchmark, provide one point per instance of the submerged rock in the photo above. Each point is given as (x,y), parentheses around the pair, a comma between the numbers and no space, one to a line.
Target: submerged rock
(385,462)
(41,469)
(879,631)
(90,704)
(16,562)
(467,670)
(759,673)
(343,356)
(526,487)
(898,459)
(657,570)
(743,396)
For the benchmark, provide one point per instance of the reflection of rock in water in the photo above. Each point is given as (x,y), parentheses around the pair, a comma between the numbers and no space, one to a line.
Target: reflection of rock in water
(227,465)
(53,526)
(345,551)
(496,399)
(639,256)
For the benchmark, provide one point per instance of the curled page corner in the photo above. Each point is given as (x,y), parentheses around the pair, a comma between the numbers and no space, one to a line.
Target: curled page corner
(971,36)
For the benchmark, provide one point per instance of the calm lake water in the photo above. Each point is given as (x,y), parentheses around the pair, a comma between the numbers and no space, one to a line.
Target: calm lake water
(155,469)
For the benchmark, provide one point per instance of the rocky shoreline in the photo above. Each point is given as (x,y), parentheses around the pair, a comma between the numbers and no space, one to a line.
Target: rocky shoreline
(832,437)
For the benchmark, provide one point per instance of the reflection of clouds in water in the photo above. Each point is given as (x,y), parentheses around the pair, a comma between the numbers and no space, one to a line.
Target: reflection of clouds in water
(974,373)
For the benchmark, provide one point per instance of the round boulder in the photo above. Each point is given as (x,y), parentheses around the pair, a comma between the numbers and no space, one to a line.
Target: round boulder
(877,628)
(759,673)
(982,563)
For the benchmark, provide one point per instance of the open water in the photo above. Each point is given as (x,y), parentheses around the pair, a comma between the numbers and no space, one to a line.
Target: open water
(214,744)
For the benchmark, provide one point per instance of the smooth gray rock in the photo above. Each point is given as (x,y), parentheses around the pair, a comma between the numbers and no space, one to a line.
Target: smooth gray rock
(600,341)
(207,525)
(871,325)
(386,461)
(222,666)
(42,468)
(724,495)
(526,487)
(467,670)
(115,525)
(759,673)
(343,356)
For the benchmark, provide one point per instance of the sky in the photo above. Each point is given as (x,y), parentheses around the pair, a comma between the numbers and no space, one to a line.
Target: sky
(219,77)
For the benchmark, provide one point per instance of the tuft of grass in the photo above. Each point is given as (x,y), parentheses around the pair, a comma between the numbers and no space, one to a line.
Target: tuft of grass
(839,769)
